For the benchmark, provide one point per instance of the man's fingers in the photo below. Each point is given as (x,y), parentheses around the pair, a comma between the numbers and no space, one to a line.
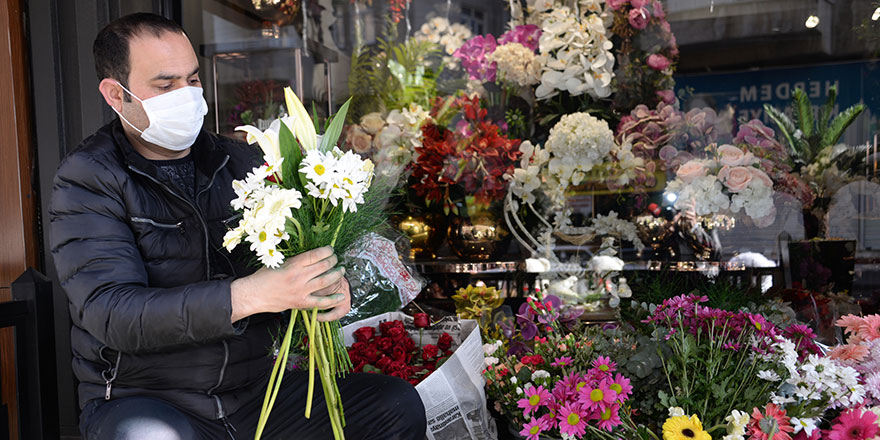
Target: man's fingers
(318,268)
(327,291)
(313,256)
(324,302)
(334,314)
(328,279)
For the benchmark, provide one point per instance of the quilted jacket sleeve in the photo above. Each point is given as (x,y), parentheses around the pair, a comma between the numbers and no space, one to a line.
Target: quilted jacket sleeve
(104,277)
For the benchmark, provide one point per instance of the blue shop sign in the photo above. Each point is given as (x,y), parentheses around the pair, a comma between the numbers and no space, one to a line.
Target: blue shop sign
(747,91)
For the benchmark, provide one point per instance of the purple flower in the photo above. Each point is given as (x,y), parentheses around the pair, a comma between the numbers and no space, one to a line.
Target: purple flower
(638,4)
(658,10)
(638,18)
(667,96)
(563,361)
(473,57)
(527,35)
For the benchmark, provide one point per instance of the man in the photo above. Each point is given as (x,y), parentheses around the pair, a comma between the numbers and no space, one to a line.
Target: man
(171,334)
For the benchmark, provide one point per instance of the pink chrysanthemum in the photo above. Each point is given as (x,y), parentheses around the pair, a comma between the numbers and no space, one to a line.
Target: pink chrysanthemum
(572,421)
(869,329)
(622,387)
(773,424)
(854,424)
(535,399)
(609,418)
(560,362)
(549,420)
(533,429)
(598,396)
(604,364)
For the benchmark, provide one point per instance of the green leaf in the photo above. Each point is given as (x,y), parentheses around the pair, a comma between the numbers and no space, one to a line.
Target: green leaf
(334,129)
(786,126)
(840,124)
(804,110)
(292,154)
(827,108)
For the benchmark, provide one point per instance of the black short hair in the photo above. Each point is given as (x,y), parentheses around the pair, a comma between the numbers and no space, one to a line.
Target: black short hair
(111,48)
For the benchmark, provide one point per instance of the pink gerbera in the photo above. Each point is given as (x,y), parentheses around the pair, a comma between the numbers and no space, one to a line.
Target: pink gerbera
(621,386)
(773,424)
(535,399)
(598,396)
(854,424)
(609,418)
(869,329)
(604,364)
(533,429)
(850,323)
(572,421)
(849,352)
(560,362)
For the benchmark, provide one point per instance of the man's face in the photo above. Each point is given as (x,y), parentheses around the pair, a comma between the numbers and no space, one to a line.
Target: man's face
(158,65)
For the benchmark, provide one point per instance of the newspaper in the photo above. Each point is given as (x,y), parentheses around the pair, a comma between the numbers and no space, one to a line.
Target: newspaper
(454,395)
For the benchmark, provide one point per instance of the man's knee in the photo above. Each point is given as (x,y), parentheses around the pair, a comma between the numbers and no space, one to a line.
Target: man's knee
(139,418)
(401,399)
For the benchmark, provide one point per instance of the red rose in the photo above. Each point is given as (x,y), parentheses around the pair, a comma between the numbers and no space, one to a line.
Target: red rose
(400,354)
(396,333)
(372,354)
(384,344)
(429,352)
(414,382)
(535,360)
(409,344)
(364,334)
(359,347)
(421,320)
(445,341)
(386,326)
(383,362)
(359,367)
(396,366)
(448,353)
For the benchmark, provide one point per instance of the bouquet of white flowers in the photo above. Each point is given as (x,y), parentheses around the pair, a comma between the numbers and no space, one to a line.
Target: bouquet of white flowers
(307,195)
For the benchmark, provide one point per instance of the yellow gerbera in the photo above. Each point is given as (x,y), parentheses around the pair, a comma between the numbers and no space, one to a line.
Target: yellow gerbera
(684,428)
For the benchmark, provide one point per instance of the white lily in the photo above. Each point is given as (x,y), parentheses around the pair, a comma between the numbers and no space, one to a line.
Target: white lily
(303,127)
(267,140)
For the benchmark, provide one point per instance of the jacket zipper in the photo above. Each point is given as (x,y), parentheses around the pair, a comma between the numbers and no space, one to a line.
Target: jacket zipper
(109,375)
(178,225)
(221,413)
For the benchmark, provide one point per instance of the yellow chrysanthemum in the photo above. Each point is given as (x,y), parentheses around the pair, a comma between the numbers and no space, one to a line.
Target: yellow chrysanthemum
(684,428)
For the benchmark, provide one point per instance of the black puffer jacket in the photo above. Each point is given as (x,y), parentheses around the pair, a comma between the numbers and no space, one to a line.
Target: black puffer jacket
(148,280)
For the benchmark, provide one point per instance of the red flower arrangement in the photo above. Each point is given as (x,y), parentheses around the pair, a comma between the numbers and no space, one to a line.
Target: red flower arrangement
(393,352)
(474,156)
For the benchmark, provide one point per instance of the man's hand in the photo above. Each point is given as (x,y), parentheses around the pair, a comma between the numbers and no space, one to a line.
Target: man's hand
(306,281)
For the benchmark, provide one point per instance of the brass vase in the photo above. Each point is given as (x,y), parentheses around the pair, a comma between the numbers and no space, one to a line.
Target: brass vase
(653,231)
(479,236)
(425,233)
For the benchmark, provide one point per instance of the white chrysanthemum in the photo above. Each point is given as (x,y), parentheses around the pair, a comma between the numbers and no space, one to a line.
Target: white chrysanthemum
(676,412)
(318,167)
(516,64)
(806,425)
(769,375)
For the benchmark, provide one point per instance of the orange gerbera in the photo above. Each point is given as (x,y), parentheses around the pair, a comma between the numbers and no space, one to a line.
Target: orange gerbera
(773,424)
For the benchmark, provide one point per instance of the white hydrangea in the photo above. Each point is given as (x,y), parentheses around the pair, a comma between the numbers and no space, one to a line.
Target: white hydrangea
(396,142)
(577,143)
(516,65)
(704,195)
(756,200)
(575,52)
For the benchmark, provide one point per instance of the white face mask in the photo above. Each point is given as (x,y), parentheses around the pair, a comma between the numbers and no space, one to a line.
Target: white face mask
(175,117)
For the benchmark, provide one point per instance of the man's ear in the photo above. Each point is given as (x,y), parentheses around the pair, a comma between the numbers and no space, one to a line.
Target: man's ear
(112,92)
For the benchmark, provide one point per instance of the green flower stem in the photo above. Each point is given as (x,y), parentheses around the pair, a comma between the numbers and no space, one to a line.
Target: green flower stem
(327,382)
(275,378)
(310,328)
(338,227)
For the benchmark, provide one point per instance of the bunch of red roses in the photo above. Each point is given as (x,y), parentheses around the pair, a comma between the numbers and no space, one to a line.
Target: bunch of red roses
(390,350)
(473,155)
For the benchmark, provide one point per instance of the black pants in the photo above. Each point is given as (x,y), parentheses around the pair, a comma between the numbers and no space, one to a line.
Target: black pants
(376,407)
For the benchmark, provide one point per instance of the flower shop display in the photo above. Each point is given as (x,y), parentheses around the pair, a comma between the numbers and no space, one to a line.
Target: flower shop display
(646,55)
(308,194)
(449,36)
(443,359)
(477,302)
